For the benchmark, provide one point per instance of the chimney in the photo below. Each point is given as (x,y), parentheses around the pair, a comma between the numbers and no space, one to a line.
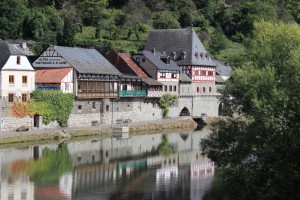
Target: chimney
(153,51)
(24,46)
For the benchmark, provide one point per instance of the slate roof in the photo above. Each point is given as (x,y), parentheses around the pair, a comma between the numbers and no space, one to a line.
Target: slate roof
(181,42)
(151,81)
(155,58)
(8,49)
(54,75)
(224,70)
(86,61)
(219,79)
(184,78)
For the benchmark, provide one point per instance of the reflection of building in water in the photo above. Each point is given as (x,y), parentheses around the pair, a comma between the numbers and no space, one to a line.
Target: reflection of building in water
(111,167)
(65,184)
(16,188)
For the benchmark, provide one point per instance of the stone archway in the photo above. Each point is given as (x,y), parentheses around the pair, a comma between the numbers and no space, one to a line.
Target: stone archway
(185,112)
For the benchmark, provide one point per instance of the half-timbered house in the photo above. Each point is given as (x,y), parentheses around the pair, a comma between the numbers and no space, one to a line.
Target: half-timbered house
(127,66)
(92,75)
(185,48)
(160,68)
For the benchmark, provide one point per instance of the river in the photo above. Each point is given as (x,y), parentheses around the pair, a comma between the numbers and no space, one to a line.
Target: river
(110,168)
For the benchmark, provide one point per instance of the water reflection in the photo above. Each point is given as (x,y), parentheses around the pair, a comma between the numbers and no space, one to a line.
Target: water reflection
(111,168)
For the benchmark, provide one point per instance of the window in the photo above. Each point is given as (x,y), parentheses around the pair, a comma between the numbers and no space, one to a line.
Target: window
(170,88)
(166,88)
(11,79)
(203,73)
(203,89)
(198,90)
(24,79)
(174,75)
(107,107)
(209,89)
(24,97)
(10,98)
(210,73)
(79,107)
(18,60)
(174,88)
(162,75)
(143,59)
(94,105)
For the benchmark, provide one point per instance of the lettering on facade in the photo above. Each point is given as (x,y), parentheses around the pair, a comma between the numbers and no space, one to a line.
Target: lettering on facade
(57,61)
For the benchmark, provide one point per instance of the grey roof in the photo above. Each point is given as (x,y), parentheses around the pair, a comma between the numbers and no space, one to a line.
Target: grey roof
(87,61)
(156,57)
(179,42)
(151,81)
(8,49)
(224,70)
(184,78)
(219,79)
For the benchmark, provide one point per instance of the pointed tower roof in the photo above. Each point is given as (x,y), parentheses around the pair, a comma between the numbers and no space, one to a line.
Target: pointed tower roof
(183,45)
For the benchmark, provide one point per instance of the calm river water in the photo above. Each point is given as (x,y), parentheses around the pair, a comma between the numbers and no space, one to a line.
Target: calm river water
(111,168)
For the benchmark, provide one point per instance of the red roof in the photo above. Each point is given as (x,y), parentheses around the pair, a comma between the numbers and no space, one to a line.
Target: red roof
(54,75)
(127,58)
(125,64)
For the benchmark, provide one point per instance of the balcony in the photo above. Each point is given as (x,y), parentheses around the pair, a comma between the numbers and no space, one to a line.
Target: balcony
(133,93)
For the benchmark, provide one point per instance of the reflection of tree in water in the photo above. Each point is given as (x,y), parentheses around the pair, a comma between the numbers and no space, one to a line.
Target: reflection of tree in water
(165,148)
(51,166)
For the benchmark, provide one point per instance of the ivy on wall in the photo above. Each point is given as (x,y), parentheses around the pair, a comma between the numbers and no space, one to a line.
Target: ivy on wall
(52,105)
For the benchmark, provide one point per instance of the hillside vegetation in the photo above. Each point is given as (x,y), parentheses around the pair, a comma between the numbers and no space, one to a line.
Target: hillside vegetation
(223,26)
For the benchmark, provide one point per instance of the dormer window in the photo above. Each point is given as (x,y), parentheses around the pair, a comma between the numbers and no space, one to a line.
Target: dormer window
(202,55)
(18,60)
(183,55)
(196,54)
(206,56)
(168,60)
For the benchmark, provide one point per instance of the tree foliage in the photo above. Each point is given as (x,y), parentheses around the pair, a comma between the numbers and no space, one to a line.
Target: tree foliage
(165,102)
(258,146)
(12,13)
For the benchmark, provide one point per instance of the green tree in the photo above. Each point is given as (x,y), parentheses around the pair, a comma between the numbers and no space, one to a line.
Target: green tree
(165,20)
(12,14)
(258,147)
(66,37)
(137,16)
(165,102)
(42,24)
(217,42)
(92,11)
(248,13)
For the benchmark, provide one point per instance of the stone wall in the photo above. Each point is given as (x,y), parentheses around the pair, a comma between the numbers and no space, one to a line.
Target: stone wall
(13,123)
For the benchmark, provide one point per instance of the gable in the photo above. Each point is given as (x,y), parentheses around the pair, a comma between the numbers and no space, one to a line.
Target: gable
(50,59)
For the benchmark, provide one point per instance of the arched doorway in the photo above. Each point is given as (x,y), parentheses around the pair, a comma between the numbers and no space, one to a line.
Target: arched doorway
(36,121)
(185,112)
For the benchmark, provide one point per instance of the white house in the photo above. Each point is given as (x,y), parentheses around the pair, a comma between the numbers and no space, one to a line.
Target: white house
(17,76)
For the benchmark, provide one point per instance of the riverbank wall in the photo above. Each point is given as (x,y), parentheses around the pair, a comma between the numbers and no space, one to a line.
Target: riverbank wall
(96,131)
